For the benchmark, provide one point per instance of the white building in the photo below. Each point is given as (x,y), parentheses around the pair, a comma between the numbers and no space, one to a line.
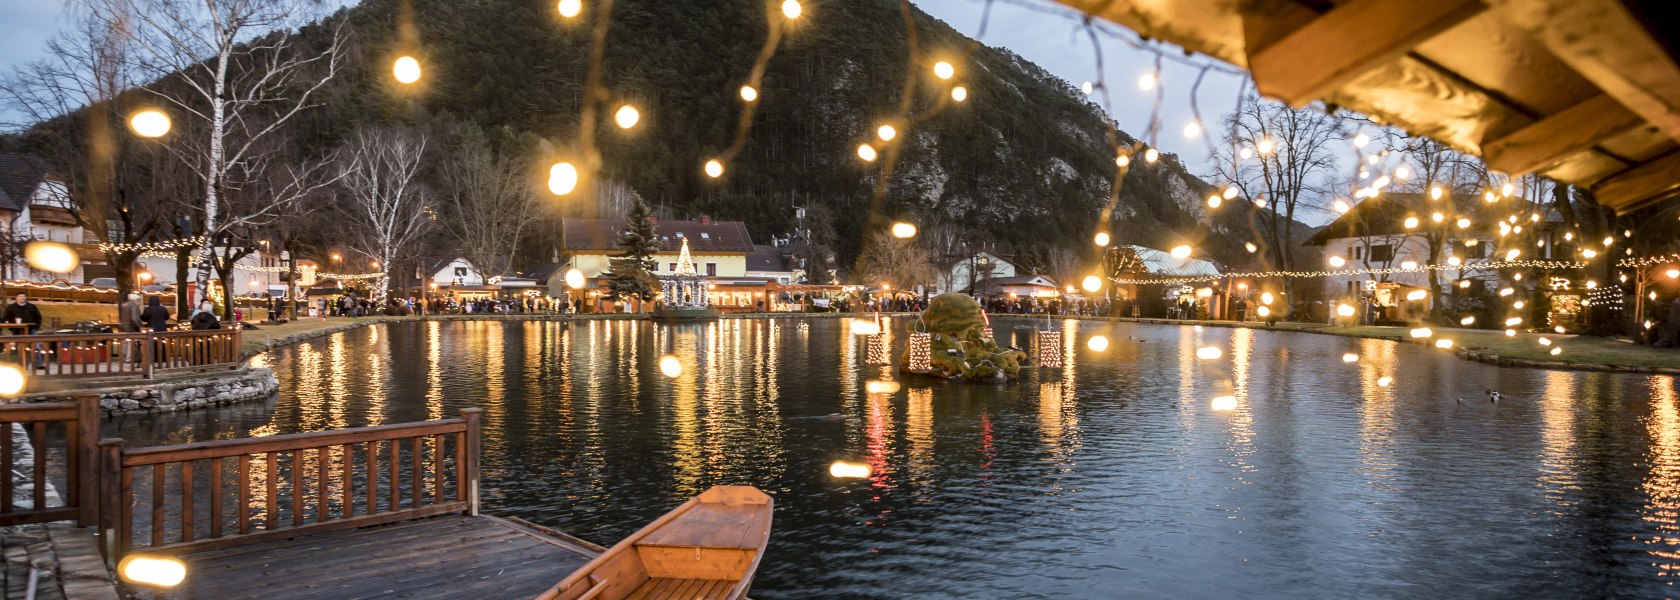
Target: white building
(1375,235)
(258,274)
(771,264)
(35,203)
(979,267)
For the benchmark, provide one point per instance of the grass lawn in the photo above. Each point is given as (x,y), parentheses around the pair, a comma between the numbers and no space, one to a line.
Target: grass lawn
(1584,350)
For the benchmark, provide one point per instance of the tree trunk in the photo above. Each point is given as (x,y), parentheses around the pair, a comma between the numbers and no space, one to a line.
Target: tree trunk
(183,301)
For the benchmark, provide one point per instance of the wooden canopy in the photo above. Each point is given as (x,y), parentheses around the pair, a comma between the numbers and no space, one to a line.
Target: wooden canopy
(1583,91)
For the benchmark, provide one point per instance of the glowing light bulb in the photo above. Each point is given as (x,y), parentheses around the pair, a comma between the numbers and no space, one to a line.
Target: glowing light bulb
(749,93)
(1214,201)
(562,178)
(1341,206)
(1344,310)
(1224,403)
(943,70)
(1467,321)
(1337,261)
(1267,298)
(157,571)
(53,257)
(1411,222)
(1091,283)
(1101,239)
(406,70)
(149,123)
(1510,333)
(1359,141)
(791,9)
(1087,87)
(1489,197)
(11,380)
(1544,341)
(1264,147)
(1454,261)
(1209,353)
(1507,189)
(1350,357)
(1181,252)
(1246,153)
(1416,295)
(1513,321)
(902,230)
(1384,381)
(714,169)
(1402,172)
(959,94)
(1556,351)
(1097,343)
(1263,311)
(1422,332)
(1437,217)
(866,152)
(1192,129)
(848,470)
(1151,155)
(1462,223)
(886,133)
(1672,273)
(570,8)
(627,116)
(574,279)
(1443,344)
(1408,265)
(1435,192)
(1147,82)
(1250,247)
(1589,253)
(1503,292)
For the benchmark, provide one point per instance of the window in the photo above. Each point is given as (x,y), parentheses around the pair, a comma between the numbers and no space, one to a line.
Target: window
(1358,253)
(1480,250)
(711,269)
(1382,253)
(673,268)
(460,271)
(705,236)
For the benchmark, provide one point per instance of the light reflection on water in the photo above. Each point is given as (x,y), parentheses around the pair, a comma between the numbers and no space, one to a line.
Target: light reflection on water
(1109,477)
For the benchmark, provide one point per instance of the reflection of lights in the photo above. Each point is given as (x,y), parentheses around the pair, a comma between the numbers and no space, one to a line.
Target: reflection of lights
(670,366)
(1097,343)
(1443,344)
(1510,333)
(156,571)
(865,327)
(1545,341)
(845,469)
(1422,332)
(1209,353)
(11,380)
(1384,381)
(1350,357)
(1513,321)
(54,257)
(881,386)
(1225,403)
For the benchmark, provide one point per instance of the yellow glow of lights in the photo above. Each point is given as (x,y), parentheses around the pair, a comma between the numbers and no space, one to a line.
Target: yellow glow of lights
(1402,172)
(1592,284)
(714,169)
(1230,192)
(1203,293)
(1556,351)
(1264,147)
(1246,153)
(570,8)
(1384,381)
(562,178)
(1454,261)
(1437,217)
(881,386)
(1408,265)
(902,230)
(1443,344)
(1422,332)
(1266,298)
(848,470)
(1462,223)
(406,70)
(1672,273)
(1411,222)
(670,366)
(1589,253)
(959,94)
(1415,295)
(866,152)
(791,9)
(53,257)
(1151,155)
(1359,141)
(886,133)
(1344,310)
(1350,357)
(1510,333)
(1147,82)
(1507,189)
(1122,160)
(1091,283)
(1192,129)
(1513,254)
(1545,341)
(11,380)
(1518,304)
(1337,261)
(627,116)
(865,327)
(1506,292)
(156,571)
(1435,192)
(1513,321)
(943,70)
(1214,201)
(1181,252)
(1489,197)
(1097,343)
(574,279)
(1263,311)
(1251,247)
(749,93)
(1224,403)
(1209,353)
(1464,284)
(1341,206)
(1101,239)
(149,123)
(1467,321)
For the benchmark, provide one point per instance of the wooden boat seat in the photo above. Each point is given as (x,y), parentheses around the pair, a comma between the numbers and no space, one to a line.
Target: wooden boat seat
(682,589)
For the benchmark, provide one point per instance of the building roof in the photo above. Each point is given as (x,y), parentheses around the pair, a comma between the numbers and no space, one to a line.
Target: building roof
(1158,262)
(766,258)
(1386,215)
(20,175)
(543,272)
(1033,280)
(704,236)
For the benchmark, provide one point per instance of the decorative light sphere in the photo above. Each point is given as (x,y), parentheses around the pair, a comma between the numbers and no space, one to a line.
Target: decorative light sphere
(903,230)
(1181,252)
(1087,87)
(886,132)
(1246,153)
(1672,273)
(791,9)
(11,380)
(749,93)
(149,123)
(406,70)
(943,70)
(714,169)
(562,178)
(670,366)
(1224,403)
(1435,192)
(1402,172)
(1264,147)
(959,94)
(570,8)
(627,116)
(1209,353)
(1214,201)
(1151,155)
(1359,141)
(1097,343)
(53,257)
(1340,206)
(1510,333)
(1101,239)
(1467,321)
(1443,344)
(1122,160)
(1251,247)
(574,279)
(1462,223)
(1091,283)
(1411,222)
(866,152)
(158,571)
(1409,265)
(1263,311)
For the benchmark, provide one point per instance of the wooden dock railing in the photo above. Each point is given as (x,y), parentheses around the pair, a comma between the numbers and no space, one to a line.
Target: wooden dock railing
(259,489)
(39,424)
(135,355)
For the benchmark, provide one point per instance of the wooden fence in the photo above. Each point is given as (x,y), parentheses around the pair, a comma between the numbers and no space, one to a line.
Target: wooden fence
(38,424)
(284,486)
(131,355)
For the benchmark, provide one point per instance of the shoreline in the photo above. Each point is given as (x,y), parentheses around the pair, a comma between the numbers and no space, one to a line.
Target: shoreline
(1468,351)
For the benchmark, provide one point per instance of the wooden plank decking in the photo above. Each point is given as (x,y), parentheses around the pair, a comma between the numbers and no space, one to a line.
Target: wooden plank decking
(452,556)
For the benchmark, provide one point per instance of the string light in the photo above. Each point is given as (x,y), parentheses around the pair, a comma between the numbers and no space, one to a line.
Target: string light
(570,8)
(1181,252)
(1151,155)
(1359,141)
(944,70)
(749,93)
(1192,129)
(192,242)
(959,94)
(1491,264)
(627,116)
(1122,160)
(902,230)
(149,123)
(562,178)
(1087,87)
(1147,81)
(1101,239)
(714,169)
(886,133)
(866,152)
(791,9)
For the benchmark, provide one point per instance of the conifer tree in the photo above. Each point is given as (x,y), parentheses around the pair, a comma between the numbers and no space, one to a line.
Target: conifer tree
(632,271)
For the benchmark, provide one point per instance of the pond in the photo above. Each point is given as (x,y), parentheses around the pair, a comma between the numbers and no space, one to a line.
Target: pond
(1112,476)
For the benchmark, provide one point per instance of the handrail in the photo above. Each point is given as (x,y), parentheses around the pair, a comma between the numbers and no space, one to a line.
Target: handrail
(81,426)
(286,485)
(122,355)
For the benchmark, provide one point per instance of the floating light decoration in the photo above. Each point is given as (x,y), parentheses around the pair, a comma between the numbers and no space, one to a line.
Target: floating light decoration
(1264,147)
(886,132)
(1181,252)
(149,123)
(1151,155)
(670,366)
(1122,160)
(154,571)
(1556,351)
(1101,239)
(1411,222)
(1251,247)
(1435,192)
(1263,311)
(1214,201)
(865,327)
(749,93)
(1443,344)
(791,9)
(1048,345)
(943,70)
(1224,403)
(1350,357)
(903,230)
(1467,321)
(406,69)
(1091,283)
(1359,141)
(11,380)
(53,257)
(627,116)
(1408,265)
(1402,172)
(959,94)
(848,470)
(714,169)
(920,352)
(1192,129)
(1266,298)
(1337,261)
(879,349)
(1087,87)
(1462,223)
(1510,333)
(562,178)
(1147,81)
(1416,295)
(570,8)
(866,152)
(1246,153)
(1097,343)
(1544,341)
(1513,321)
(1344,310)
(574,279)
(1422,332)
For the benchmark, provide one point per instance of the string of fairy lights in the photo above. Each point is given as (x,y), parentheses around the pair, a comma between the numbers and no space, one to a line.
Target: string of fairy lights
(1498,264)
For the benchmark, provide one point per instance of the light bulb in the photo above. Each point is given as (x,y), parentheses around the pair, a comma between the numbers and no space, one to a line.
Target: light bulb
(943,70)
(902,230)
(959,94)
(1181,252)
(714,169)
(406,69)
(866,152)
(149,123)
(562,178)
(570,8)
(791,9)
(1192,129)
(1147,82)
(749,93)
(1151,155)
(886,133)
(1101,239)
(627,116)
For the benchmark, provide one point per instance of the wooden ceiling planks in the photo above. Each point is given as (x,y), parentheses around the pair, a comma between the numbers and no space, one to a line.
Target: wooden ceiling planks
(1575,89)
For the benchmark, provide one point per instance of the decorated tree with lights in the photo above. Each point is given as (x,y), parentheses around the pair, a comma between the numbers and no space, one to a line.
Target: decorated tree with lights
(385,204)
(631,273)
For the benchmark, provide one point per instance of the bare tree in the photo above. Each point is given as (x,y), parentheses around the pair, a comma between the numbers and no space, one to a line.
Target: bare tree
(385,207)
(489,201)
(901,263)
(234,67)
(1288,166)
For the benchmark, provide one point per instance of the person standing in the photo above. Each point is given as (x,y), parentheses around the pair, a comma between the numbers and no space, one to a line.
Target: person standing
(205,317)
(24,312)
(128,321)
(155,315)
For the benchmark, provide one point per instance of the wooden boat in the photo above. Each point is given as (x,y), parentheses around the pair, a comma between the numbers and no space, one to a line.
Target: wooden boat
(708,548)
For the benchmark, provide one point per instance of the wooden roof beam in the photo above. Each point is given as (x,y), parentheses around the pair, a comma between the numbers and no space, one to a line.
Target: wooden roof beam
(1554,138)
(1607,44)
(1315,59)
(1640,185)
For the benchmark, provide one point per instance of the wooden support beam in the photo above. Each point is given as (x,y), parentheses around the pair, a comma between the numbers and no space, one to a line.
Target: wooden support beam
(1554,138)
(1640,185)
(1350,39)
(1609,46)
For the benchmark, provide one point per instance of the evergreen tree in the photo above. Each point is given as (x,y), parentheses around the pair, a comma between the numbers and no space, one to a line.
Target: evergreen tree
(632,271)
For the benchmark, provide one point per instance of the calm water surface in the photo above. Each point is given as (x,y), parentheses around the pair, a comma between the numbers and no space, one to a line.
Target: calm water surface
(1111,477)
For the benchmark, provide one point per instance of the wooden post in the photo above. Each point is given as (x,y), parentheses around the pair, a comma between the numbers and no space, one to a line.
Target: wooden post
(84,459)
(113,497)
(471,468)
(238,349)
(148,355)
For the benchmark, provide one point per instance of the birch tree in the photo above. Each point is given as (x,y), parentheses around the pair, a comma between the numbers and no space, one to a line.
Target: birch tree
(489,201)
(235,69)
(384,204)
